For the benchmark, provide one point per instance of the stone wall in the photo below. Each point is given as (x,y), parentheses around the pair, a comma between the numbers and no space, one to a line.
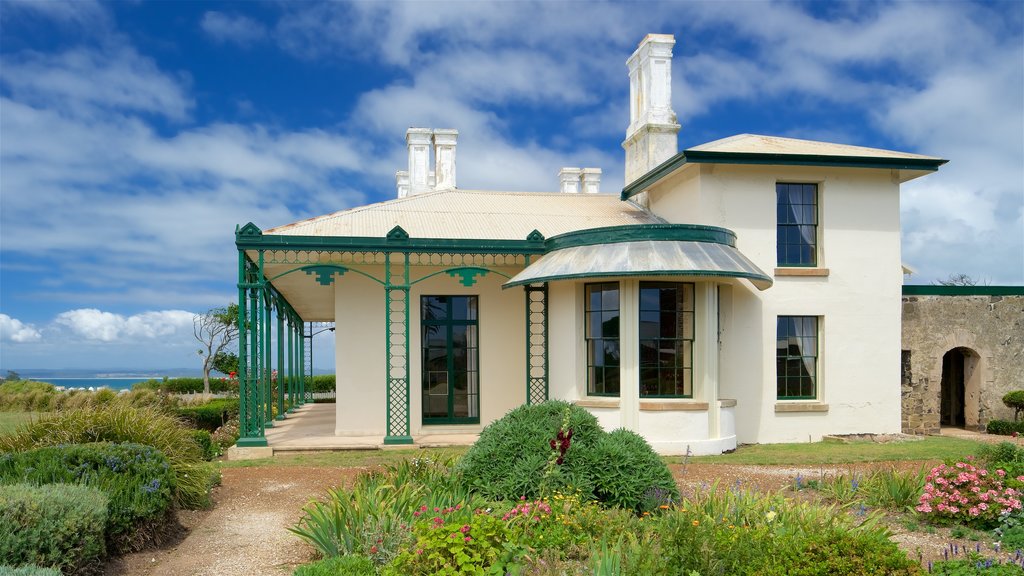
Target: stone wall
(990,332)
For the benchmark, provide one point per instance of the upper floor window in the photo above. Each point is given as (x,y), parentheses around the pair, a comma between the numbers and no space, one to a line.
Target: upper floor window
(797,224)
(796,357)
(666,339)
(602,338)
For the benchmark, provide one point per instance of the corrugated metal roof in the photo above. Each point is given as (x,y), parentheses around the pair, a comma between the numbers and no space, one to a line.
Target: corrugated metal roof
(757,144)
(474,214)
(643,258)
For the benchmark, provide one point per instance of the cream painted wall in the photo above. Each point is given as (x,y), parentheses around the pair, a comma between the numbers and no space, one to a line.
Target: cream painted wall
(859,301)
(360,353)
(359,356)
(502,324)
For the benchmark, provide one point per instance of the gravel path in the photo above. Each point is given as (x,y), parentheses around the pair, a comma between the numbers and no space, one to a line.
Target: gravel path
(246,533)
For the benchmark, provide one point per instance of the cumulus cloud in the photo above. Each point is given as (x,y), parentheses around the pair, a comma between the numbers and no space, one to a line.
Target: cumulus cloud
(93,324)
(14,330)
(232,28)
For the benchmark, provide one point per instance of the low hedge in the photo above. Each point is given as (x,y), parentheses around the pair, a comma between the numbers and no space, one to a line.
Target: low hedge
(209,415)
(136,479)
(56,525)
(193,478)
(320,383)
(218,385)
(1005,427)
(27,570)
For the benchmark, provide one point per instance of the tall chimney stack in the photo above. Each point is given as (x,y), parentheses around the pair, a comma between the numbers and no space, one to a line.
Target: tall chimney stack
(444,158)
(569,180)
(652,136)
(591,178)
(418,142)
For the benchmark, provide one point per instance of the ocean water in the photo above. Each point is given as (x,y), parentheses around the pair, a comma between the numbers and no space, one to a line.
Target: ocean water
(113,383)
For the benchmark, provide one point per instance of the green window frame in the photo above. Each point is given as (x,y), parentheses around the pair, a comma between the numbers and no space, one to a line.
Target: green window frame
(601,334)
(666,339)
(450,369)
(796,224)
(796,357)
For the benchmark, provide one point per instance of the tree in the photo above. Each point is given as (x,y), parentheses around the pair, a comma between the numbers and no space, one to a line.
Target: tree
(960,279)
(12,376)
(225,362)
(216,329)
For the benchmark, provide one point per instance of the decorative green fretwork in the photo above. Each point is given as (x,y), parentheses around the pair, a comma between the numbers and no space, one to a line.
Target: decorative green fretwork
(467,274)
(396,311)
(536,343)
(251,369)
(397,233)
(535,236)
(324,272)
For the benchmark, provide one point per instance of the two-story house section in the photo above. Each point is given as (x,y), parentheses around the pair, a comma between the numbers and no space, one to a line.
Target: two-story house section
(745,290)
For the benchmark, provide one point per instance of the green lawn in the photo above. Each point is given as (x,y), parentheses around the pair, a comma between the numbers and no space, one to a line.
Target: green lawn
(9,421)
(835,452)
(831,452)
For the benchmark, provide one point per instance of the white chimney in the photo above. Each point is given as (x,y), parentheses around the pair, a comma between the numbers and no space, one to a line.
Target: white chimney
(444,158)
(652,134)
(402,182)
(418,142)
(591,178)
(569,180)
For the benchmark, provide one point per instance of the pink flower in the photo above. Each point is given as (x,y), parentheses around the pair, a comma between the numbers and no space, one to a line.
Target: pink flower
(466,539)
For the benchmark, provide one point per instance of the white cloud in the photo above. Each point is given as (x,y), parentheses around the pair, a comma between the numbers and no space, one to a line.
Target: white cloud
(232,28)
(93,324)
(14,330)
(85,82)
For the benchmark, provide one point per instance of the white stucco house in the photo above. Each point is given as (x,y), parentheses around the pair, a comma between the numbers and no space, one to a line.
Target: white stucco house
(747,290)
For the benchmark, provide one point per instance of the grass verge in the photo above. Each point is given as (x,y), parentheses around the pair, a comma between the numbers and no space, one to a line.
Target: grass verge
(835,452)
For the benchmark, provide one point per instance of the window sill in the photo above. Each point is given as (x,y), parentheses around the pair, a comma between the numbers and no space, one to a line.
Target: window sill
(798,406)
(594,402)
(820,272)
(672,406)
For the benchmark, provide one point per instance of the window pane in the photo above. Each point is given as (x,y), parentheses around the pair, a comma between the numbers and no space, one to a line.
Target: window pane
(669,324)
(649,325)
(593,297)
(449,357)
(796,356)
(594,324)
(648,353)
(611,352)
(662,358)
(648,299)
(434,307)
(610,324)
(611,380)
(610,297)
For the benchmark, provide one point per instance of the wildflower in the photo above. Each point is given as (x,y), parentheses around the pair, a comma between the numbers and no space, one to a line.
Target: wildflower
(467,539)
(770,515)
(696,522)
(373,549)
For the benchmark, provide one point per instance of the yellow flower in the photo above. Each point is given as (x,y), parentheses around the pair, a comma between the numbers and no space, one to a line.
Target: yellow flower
(696,522)
(663,506)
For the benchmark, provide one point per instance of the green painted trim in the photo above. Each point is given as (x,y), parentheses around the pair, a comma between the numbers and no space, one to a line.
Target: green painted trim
(759,158)
(926,290)
(251,443)
(462,271)
(374,244)
(393,440)
(639,232)
(695,273)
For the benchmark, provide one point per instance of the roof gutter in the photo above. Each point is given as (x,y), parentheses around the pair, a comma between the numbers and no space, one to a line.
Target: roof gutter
(669,166)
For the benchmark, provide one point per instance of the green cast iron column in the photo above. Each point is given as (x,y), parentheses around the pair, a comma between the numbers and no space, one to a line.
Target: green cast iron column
(250,418)
(281,370)
(291,362)
(268,363)
(396,319)
(302,364)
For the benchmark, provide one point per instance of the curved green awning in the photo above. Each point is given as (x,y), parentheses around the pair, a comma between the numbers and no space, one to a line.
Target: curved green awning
(659,250)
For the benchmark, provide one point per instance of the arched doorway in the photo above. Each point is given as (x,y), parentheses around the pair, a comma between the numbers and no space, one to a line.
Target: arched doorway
(960,388)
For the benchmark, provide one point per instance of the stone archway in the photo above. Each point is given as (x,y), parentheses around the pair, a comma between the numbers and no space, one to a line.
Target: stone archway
(959,365)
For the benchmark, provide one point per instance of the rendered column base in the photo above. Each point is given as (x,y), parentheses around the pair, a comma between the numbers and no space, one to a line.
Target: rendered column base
(251,442)
(249,453)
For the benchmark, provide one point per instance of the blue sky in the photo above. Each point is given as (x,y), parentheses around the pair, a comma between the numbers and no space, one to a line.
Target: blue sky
(134,136)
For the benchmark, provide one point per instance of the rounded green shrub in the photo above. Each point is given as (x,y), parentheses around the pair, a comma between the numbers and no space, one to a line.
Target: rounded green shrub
(513,456)
(136,479)
(56,525)
(193,477)
(629,474)
(1015,400)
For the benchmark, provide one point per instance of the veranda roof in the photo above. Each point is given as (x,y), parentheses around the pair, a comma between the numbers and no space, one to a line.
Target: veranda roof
(678,250)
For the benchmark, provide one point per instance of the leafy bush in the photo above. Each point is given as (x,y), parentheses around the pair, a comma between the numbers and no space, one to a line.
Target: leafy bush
(136,480)
(27,395)
(511,458)
(209,415)
(627,469)
(972,564)
(338,566)
(206,444)
(1004,427)
(1015,400)
(320,383)
(457,546)
(56,525)
(967,494)
(27,570)
(226,436)
(118,423)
